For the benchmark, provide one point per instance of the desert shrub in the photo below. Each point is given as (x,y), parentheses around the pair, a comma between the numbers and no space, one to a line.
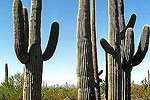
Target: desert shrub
(59,93)
(140,92)
(13,89)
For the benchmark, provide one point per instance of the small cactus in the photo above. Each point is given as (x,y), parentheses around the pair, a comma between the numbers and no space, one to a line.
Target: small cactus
(6,73)
(27,44)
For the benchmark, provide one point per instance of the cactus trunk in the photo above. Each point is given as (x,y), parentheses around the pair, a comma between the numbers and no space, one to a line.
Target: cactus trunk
(115,70)
(106,77)
(34,67)
(128,85)
(25,86)
(85,72)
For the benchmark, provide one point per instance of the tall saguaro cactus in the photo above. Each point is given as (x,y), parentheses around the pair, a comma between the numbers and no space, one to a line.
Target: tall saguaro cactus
(27,43)
(85,73)
(6,73)
(127,59)
(132,59)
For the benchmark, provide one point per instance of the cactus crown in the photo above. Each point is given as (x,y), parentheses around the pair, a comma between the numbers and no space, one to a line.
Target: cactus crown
(25,36)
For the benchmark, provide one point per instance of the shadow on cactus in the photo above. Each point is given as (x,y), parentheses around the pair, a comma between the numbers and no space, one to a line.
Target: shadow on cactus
(27,44)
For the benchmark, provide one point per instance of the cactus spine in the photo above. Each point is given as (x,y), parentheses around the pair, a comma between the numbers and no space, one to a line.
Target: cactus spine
(85,73)
(27,44)
(126,45)
(6,73)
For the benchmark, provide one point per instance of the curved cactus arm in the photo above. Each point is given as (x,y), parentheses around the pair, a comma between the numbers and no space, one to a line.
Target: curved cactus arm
(18,25)
(26,28)
(100,80)
(130,24)
(107,47)
(52,43)
(129,44)
(100,72)
(143,46)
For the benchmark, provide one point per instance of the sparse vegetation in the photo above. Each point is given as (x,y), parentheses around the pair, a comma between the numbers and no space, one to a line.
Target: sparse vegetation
(13,90)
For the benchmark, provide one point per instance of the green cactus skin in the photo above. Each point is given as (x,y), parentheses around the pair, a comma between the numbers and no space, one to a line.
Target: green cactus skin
(6,73)
(85,72)
(27,44)
(115,40)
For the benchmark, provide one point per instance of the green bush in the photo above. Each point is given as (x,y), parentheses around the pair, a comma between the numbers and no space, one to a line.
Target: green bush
(140,92)
(13,89)
(59,93)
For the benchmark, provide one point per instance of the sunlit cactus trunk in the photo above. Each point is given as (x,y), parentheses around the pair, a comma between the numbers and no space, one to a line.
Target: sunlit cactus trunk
(28,46)
(115,69)
(25,86)
(85,73)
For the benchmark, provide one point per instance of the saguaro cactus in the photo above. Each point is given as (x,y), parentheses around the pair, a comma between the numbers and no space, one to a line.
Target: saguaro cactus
(6,73)
(130,60)
(125,48)
(31,55)
(85,73)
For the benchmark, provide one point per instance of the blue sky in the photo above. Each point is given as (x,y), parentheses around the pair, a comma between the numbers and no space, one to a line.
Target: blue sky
(61,67)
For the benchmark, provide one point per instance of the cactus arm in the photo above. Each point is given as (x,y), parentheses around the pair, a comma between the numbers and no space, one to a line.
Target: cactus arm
(121,14)
(130,23)
(35,22)
(52,43)
(129,45)
(143,46)
(107,47)
(100,72)
(19,42)
(26,28)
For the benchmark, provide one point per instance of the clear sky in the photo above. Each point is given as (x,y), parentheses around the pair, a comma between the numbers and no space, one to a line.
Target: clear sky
(61,67)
